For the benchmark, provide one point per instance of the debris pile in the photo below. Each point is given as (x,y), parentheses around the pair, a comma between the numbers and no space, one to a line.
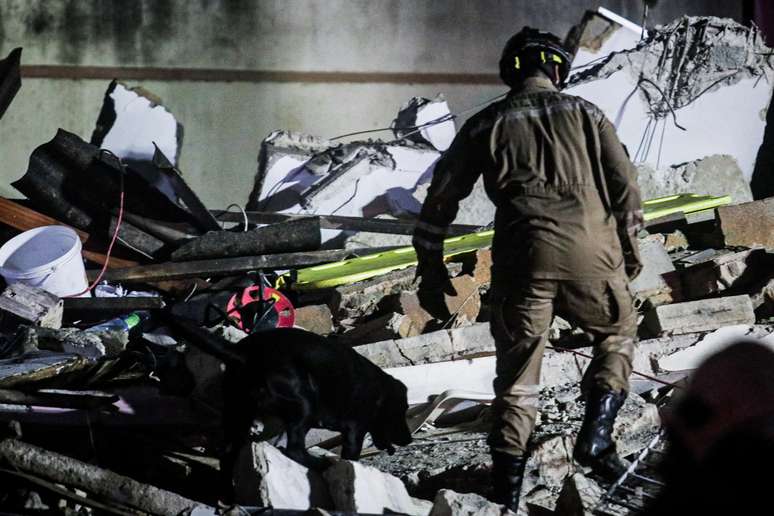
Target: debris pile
(106,404)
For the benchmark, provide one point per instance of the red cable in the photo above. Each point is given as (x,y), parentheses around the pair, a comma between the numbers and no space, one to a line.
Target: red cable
(112,243)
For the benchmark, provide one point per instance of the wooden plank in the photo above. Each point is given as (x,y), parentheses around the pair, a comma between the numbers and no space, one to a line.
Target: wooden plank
(32,305)
(220,267)
(22,218)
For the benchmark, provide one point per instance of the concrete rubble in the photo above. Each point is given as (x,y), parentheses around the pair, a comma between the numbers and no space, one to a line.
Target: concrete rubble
(449,503)
(322,246)
(675,97)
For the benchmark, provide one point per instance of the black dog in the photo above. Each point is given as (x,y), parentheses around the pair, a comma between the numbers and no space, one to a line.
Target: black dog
(307,381)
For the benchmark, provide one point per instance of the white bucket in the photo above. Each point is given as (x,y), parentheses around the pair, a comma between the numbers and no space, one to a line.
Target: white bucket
(47,257)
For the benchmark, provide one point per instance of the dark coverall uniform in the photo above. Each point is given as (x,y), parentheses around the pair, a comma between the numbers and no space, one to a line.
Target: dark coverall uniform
(565,193)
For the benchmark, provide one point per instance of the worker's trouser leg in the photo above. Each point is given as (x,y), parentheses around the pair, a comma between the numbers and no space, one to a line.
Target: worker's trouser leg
(520,322)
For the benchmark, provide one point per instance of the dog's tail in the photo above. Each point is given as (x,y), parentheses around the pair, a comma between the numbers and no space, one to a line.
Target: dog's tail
(201,338)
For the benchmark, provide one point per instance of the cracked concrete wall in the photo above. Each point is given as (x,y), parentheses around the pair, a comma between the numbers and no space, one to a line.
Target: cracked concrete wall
(225,122)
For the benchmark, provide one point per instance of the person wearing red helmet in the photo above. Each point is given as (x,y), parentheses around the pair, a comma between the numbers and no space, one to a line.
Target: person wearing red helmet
(568,212)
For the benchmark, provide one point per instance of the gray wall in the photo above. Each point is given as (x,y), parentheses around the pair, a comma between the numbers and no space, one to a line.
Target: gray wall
(225,121)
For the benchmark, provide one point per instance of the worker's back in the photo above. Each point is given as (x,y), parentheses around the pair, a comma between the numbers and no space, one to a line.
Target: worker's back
(543,165)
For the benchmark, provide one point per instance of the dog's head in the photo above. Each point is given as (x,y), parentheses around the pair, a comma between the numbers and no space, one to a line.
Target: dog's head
(389,424)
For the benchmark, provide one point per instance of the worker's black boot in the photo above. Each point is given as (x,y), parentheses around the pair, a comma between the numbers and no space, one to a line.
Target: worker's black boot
(507,474)
(594,447)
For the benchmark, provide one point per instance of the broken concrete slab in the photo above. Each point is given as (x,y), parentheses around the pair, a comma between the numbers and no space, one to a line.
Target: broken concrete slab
(132,120)
(315,318)
(449,503)
(720,273)
(716,175)
(699,316)
(469,364)
(265,477)
(302,174)
(355,487)
(438,346)
(656,262)
(712,343)
(281,176)
(748,224)
(696,87)
(600,34)
(32,305)
(426,121)
(361,299)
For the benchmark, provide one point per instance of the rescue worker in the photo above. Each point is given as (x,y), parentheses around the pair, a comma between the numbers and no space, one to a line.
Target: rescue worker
(568,211)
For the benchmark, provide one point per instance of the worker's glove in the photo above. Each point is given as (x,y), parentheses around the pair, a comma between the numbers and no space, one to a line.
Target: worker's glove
(432,272)
(629,225)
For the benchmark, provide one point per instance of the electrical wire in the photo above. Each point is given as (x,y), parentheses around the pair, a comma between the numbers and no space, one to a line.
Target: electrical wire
(417,128)
(244,215)
(119,220)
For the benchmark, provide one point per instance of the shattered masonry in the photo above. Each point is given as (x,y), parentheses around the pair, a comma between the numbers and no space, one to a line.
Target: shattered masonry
(124,409)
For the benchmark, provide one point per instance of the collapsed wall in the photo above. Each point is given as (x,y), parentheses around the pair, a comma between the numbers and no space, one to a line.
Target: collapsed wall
(694,88)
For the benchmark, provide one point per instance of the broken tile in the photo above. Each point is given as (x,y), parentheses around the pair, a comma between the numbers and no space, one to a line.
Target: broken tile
(750,224)
(698,316)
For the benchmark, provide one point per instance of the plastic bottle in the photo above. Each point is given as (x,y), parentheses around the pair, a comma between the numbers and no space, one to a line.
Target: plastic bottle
(123,323)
